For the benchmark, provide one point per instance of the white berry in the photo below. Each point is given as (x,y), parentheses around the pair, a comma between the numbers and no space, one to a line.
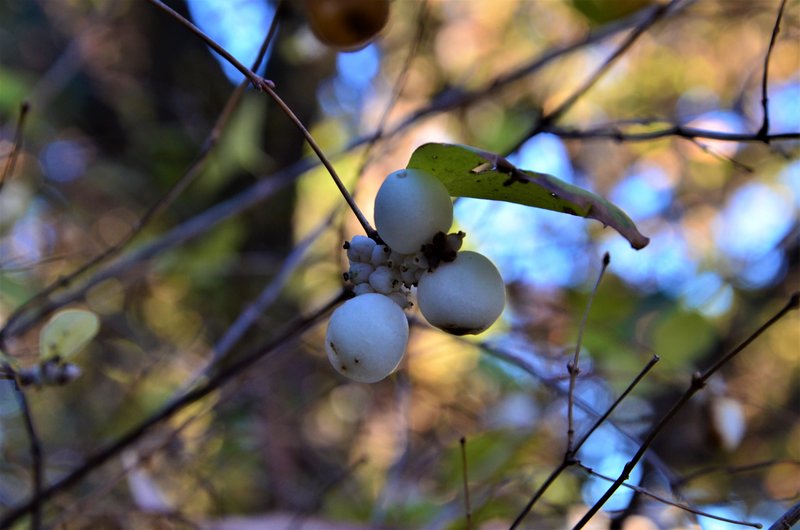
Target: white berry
(367,337)
(410,207)
(360,249)
(464,296)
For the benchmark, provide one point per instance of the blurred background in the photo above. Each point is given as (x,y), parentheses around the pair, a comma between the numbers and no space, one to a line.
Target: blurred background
(122,102)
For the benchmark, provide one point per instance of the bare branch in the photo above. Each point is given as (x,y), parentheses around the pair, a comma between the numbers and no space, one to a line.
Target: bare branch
(189,176)
(467,505)
(572,366)
(764,130)
(178,403)
(648,493)
(37,455)
(682,131)
(11,160)
(788,519)
(697,383)
(569,458)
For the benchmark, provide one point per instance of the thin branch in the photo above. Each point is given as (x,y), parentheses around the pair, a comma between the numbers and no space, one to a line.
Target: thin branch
(681,131)
(258,82)
(569,458)
(657,14)
(371,232)
(37,455)
(572,367)
(762,132)
(182,233)
(648,493)
(225,374)
(266,86)
(788,519)
(732,470)
(189,176)
(11,161)
(697,383)
(467,504)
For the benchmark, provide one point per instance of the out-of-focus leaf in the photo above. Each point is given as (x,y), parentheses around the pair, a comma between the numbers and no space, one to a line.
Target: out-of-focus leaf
(67,332)
(727,422)
(469,172)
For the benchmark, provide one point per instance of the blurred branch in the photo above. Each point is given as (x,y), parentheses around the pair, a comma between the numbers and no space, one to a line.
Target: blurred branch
(11,160)
(732,470)
(189,176)
(690,133)
(658,12)
(647,493)
(37,456)
(467,505)
(569,457)
(177,404)
(762,132)
(572,367)
(697,383)
(788,519)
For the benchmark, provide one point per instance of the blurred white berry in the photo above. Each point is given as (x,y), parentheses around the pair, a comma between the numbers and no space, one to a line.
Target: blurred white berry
(410,207)
(464,296)
(367,337)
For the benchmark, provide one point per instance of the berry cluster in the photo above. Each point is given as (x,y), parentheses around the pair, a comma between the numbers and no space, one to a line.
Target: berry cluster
(460,292)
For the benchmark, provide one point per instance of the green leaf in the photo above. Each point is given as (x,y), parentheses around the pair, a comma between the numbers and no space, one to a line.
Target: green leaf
(67,332)
(469,172)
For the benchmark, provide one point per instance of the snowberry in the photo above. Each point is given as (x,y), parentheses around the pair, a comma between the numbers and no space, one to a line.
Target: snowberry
(367,337)
(410,207)
(360,249)
(464,296)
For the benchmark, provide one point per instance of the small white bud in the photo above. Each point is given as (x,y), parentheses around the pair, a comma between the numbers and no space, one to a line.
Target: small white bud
(380,255)
(382,280)
(363,288)
(360,249)
(359,272)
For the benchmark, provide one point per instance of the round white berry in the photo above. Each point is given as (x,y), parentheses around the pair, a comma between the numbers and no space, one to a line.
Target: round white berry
(367,337)
(360,249)
(359,272)
(382,280)
(410,207)
(464,296)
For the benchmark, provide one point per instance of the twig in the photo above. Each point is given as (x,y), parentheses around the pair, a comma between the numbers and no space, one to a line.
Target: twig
(658,12)
(258,82)
(37,456)
(572,367)
(189,176)
(467,504)
(182,233)
(681,131)
(762,132)
(788,519)
(266,86)
(179,403)
(697,383)
(732,470)
(11,161)
(569,458)
(648,493)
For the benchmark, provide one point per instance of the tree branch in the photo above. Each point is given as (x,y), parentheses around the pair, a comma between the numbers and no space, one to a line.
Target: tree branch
(225,374)
(764,130)
(697,383)
(11,160)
